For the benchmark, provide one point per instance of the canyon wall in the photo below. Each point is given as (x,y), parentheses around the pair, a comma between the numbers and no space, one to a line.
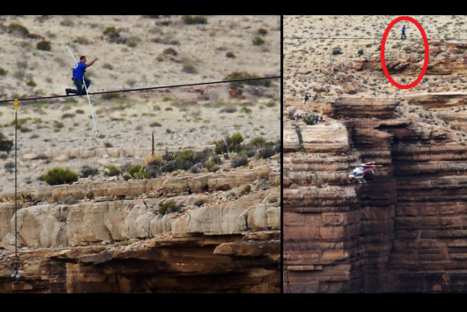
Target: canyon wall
(220,234)
(402,231)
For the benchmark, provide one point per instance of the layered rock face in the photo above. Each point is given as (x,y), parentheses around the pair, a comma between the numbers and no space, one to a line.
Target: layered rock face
(223,235)
(446,58)
(402,231)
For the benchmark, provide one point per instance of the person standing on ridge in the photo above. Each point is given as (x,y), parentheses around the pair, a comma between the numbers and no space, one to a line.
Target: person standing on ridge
(403,35)
(79,77)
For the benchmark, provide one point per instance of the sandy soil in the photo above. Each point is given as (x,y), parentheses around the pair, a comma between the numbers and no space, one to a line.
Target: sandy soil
(203,46)
(59,132)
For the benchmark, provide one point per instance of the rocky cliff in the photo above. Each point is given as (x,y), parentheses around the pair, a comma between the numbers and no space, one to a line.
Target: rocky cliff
(207,232)
(404,229)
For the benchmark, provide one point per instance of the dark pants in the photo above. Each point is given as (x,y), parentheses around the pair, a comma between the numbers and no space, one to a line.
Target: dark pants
(80,89)
(403,36)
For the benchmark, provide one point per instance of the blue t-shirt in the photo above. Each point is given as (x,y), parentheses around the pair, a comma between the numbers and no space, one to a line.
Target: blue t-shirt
(78,71)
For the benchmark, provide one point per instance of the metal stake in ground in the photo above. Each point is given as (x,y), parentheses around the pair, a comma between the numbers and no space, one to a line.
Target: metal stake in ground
(15,273)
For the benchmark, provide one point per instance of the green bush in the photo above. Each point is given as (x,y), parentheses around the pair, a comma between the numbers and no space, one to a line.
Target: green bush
(194,20)
(168,206)
(231,143)
(3,72)
(257,41)
(138,172)
(245,75)
(58,176)
(111,171)
(44,45)
(212,163)
(257,142)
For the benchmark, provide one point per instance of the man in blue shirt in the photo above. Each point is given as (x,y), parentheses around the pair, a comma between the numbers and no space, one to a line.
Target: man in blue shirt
(79,76)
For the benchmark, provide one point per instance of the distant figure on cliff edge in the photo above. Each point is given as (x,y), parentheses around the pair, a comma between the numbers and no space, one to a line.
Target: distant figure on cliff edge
(361,172)
(403,35)
(79,78)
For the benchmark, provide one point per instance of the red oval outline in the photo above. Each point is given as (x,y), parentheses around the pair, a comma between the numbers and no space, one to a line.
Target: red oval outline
(426,48)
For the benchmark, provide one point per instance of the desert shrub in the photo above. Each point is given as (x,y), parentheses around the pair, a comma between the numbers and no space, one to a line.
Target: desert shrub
(138,172)
(58,124)
(239,161)
(245,75)
(44,45)
(168,206)
(9,167)
(267,151)
(24,129)
(229,109)
(3,72)
(68,115)
(211,161)
(262,32)
(194,20)
(211,165)
(112,35)
(5,144)
(153,164)
(155,124)
(311,119)
(231,143)
(82,40)
(257,142)
(245,110)
(184,159)
(235,141)
(230,55)
(170,51)
(108,66)
(111,171)
(67,22)
(18,29)
(58,176)
(87,171)
(188,67)
(133,41)
(336,51)
(257,41)
(31,83)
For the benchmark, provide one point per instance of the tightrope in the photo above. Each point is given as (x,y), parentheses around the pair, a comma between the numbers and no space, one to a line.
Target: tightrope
(31,99)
